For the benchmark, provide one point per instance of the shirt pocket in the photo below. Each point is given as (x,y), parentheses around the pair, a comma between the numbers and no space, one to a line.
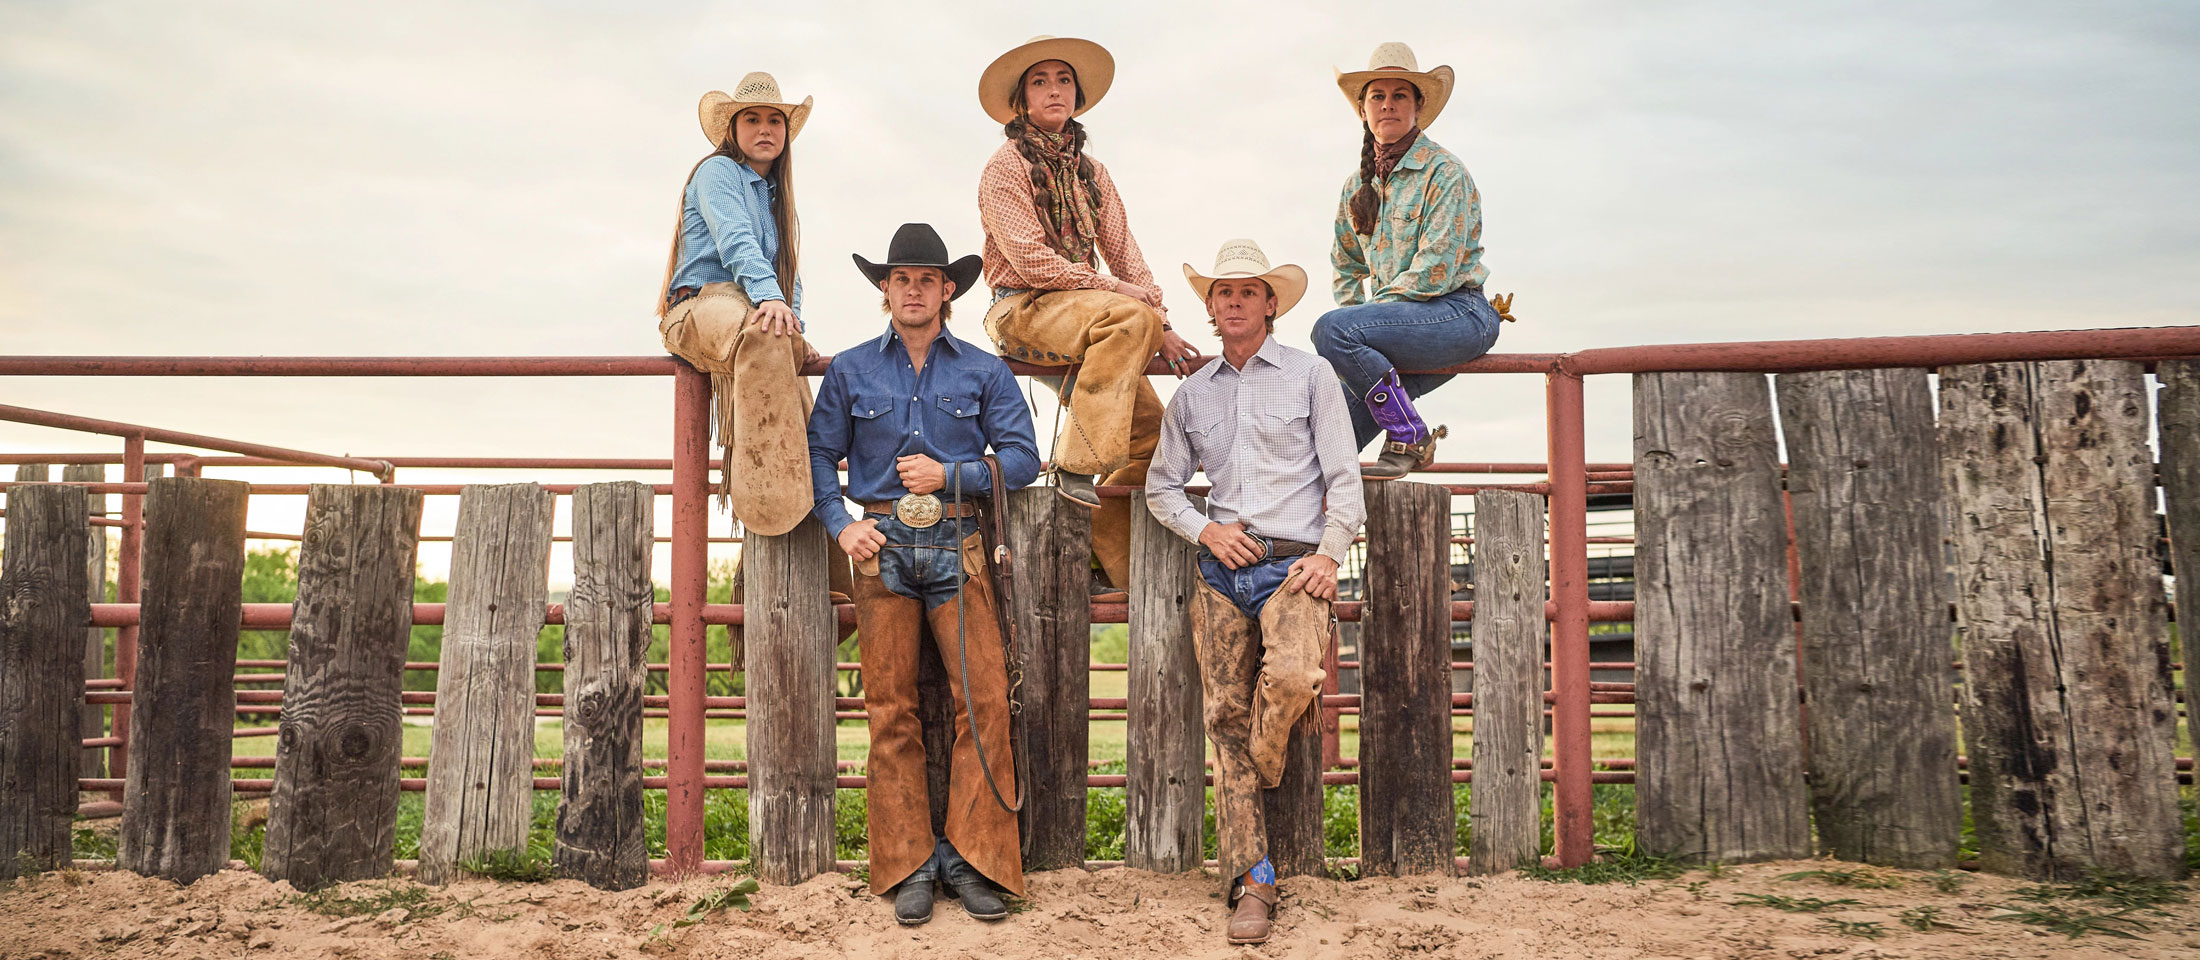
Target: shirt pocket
(1283,442)
(962,431)
(873,417)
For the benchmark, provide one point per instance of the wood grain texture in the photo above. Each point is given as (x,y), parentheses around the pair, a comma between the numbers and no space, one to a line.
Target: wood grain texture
(600,820)
(1863,474)
(1719,764)
(175,808)
(790,641)
(94,722)
(1511,583)
(1050,550)
(333,814)
(1165,752)
(43,616)
(481,756)
(2179,415)
(2066,706)
(1408,817)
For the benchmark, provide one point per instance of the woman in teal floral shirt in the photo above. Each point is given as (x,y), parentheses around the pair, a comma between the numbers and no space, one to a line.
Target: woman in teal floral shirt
(1408,254)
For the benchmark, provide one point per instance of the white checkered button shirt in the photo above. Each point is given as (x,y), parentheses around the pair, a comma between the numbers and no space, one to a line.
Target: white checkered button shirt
(1276,441)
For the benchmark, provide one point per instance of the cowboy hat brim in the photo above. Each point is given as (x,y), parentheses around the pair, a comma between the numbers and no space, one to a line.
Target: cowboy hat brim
(1287,282)
(963,273)
(1094,65)
(717,110)
(1435,85)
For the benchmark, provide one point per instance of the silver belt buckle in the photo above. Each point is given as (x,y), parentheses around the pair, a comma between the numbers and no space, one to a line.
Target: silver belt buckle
(918,510)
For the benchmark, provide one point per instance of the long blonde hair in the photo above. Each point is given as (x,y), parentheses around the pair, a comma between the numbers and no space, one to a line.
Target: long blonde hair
(783,216)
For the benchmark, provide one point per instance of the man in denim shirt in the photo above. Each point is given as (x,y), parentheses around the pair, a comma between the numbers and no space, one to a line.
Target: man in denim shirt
(1271,430)
(914,412)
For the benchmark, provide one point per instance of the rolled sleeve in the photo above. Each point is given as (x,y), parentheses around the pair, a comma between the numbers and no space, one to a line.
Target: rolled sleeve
(1338,456)
(829,437)
(1172,466)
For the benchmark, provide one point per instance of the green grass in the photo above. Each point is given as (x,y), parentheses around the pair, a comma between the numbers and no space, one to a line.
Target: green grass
(1794,904)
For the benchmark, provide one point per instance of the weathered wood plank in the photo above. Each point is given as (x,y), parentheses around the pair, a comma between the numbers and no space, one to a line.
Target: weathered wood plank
(1050,550)
(175,813)
(95,591)
(1165,793)
(1408,818)
(333,814)
(2067,716)
(2179,413)
(600,822)
(481,756)
(790,641)
(1511,583)
(1720,773)
(43,616)
(1863,473)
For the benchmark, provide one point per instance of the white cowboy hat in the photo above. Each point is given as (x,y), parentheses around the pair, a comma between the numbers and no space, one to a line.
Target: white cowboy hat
(755,90)
(1394,61)
(1095,69)
(1243,260)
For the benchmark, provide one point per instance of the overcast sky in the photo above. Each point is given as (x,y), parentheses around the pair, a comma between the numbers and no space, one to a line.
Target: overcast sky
(500,178)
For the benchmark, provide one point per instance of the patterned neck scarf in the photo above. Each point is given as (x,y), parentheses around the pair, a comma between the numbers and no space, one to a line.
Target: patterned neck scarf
(1387,155)
(1068,210)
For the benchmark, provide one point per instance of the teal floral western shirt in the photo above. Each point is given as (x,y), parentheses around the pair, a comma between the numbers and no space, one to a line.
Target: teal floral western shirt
(1428,234)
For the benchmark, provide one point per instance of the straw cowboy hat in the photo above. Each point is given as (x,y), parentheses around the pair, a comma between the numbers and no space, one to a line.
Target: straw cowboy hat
(1242,260)
(1394,61)
(1095,69)
(755,90)
(918,245)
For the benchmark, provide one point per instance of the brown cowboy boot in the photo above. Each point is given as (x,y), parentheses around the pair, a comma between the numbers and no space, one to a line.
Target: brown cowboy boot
(1253,920)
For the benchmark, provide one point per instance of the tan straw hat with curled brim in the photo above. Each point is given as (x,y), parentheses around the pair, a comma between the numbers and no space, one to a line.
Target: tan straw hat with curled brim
(1095,69)
(1243,260)
(756,90)
(1394,61)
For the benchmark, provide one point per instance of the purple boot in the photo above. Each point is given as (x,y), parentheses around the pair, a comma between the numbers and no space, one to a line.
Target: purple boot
(1411,443)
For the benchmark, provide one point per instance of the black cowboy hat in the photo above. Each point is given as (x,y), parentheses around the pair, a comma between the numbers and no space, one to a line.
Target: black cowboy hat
(918,245)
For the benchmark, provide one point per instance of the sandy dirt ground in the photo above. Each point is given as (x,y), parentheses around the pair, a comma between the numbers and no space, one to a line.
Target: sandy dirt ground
(1106,915)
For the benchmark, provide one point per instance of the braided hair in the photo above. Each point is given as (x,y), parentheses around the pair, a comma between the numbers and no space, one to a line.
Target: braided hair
(1365,201)
(1016,129)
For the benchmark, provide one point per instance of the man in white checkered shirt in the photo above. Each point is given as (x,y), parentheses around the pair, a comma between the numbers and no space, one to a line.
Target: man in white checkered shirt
(1270,428)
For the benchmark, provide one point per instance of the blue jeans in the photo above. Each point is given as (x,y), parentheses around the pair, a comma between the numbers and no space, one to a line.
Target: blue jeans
(931,575)
(1366,341)
(1248,587)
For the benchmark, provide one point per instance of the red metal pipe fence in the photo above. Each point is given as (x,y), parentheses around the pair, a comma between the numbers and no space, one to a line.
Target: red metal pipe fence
(1569,480)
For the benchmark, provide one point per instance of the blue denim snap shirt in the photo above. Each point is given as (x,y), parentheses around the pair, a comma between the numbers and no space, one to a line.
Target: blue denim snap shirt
(874,406)
(727,232)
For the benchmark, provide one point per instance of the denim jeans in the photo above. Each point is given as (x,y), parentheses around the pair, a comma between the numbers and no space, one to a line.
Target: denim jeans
(1368,340)
(1248,587)
(930,575)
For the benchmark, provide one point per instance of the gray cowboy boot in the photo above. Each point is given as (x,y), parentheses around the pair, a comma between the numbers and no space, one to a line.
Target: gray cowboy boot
(1411,444)
(1076,488)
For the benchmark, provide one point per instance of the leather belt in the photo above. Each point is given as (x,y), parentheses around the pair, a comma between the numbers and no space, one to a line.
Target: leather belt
(676,297)
(1271,549)
(965,509)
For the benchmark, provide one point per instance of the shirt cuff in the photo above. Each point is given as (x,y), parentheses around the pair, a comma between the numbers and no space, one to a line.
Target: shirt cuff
(1188,523)
(1336,542)
(836,520)
(762,290)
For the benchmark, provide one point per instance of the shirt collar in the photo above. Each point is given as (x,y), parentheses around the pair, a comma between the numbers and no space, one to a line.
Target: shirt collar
(1418,155)
(891,339)
(748,175)
(1270,351)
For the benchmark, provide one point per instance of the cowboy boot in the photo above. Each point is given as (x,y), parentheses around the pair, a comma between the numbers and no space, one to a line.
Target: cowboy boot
(1076,488)
(1411,443)
(1253,919)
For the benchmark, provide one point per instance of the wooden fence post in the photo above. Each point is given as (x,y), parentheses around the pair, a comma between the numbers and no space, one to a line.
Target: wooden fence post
(2067,715)
(1511,575)
(1293,808)
(1719,770)
(333,814)
(2180,444)
(1050,550)
(1165,748)
(43,615)
(175,813)
(607,613)
(790,637)
(481,757)
(95,590)
(1408,819)
(1863,473)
